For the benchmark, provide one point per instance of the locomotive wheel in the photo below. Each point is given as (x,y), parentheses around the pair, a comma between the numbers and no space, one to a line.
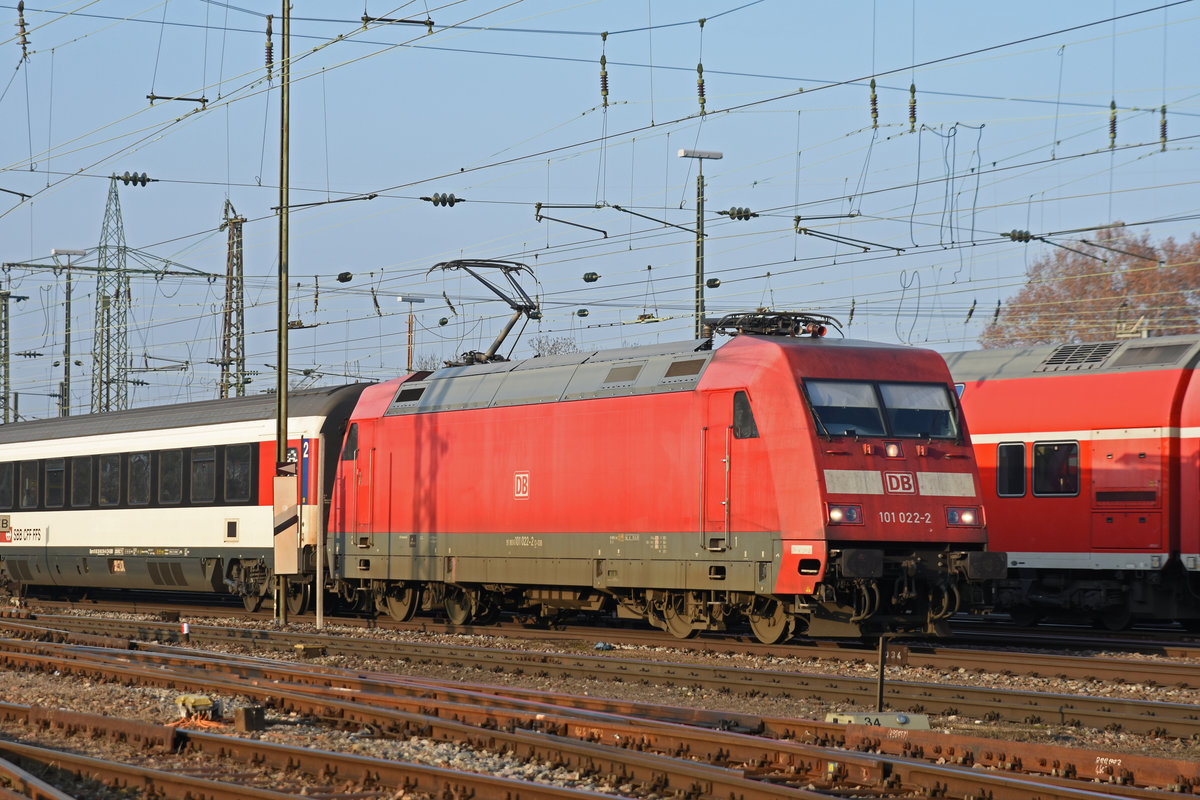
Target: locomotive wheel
(674,621)
(489,610)
(298,595)
(252,602)
(402,603)
(458,605)
(772,624)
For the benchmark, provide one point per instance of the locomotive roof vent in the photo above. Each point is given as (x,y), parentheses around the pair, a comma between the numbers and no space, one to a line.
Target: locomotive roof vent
(764,322)
(1078,356)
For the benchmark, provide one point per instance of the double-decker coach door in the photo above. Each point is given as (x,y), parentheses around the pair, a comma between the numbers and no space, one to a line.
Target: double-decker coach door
(716,440)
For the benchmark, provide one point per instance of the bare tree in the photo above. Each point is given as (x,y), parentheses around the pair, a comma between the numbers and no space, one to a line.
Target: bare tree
(545,345)
(1115,285)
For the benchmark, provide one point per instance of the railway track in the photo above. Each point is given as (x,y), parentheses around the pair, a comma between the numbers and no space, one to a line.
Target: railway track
(1061,653)
(642,749)
(1177,720)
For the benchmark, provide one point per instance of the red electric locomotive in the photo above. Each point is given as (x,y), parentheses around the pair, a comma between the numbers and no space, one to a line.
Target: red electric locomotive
(1090,458)
(798,483)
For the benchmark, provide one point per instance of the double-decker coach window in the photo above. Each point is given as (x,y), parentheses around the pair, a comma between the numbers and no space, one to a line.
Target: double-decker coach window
(204,474)
(6,486)
(110,480)
(139,479)
(919,410)
(170,477)
(29,484)
(744,426)
(237,473)
(1010,470)
(81,481)
(845,408)
(56,482)
(1055,468)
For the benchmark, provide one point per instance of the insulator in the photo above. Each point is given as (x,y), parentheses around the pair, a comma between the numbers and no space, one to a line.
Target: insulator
(270,48)
(996,313)
(1162,129)
(874,106)
(912,108)
(712,283)
(700,85)
(970,313)
(591,277)
(1019,236)
(583,312)
(443,321)
(443,199)
(535,314)
(851,319)
(1112,124)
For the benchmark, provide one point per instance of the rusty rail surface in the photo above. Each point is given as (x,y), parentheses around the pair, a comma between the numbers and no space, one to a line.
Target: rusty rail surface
(781,761)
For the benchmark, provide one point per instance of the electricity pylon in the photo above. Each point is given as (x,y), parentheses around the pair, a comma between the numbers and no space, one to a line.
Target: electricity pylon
(110,346)
(233,330)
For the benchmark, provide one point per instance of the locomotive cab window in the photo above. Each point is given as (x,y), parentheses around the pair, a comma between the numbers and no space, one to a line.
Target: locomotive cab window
(29,484)
(6,486)
(1010,470)
(350,451)
(56,482)
(1055,469)
(81,481)
(844,408)
(170,477)
(744,426)
(919,410)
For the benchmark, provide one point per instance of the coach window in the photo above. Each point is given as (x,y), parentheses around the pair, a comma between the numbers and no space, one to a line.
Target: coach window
(81,481)
(6,486)
(170,477)
(237,473)
(139,479)
(110,480)
(744,426)
(1010,470)
(56,487)
(204,474)
(1055,468)
(29,484)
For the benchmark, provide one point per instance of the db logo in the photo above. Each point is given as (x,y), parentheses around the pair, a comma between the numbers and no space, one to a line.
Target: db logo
(520,484)
(899,483)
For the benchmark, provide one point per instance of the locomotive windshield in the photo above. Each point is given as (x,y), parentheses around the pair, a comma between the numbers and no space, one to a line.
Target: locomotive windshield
(905,410)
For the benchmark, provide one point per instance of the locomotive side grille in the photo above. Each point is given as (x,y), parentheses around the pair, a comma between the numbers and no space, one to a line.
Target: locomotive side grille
(1078,356)
(1126,496)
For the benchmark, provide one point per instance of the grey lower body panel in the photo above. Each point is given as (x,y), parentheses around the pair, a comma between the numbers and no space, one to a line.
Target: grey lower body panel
(749,562)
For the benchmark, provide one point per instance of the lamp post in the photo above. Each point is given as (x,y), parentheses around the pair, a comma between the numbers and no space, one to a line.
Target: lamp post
(700,155)
(64,400)
(408,298)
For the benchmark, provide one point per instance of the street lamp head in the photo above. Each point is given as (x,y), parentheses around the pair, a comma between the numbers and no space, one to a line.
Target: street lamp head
(714,154)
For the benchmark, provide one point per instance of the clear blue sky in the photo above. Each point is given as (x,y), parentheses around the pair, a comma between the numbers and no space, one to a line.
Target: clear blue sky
(501,105)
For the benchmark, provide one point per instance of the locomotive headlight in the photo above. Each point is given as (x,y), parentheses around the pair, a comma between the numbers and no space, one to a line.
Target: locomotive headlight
(963,516)
(892,450)
(845,515)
